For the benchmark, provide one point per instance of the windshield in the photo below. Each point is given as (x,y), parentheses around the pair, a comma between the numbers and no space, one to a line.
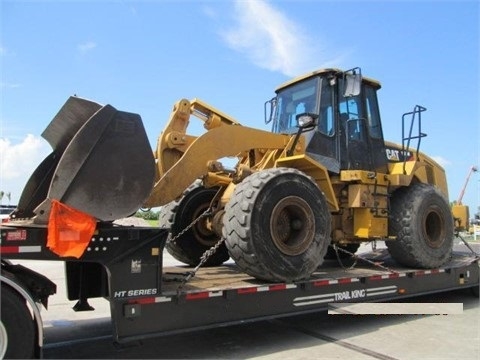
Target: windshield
(296,99)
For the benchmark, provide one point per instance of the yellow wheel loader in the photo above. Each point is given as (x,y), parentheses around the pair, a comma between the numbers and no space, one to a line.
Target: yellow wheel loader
(323,177)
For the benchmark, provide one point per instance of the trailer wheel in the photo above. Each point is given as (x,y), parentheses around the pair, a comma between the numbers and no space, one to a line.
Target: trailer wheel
(421,220)
(17,328)
(277,225)
(178,214)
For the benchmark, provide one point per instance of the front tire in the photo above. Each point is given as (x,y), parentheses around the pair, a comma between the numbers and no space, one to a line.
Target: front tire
(277,225)
(423,224)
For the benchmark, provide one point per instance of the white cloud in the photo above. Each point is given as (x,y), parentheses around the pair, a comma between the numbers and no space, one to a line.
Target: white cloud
(210,12)
(86,46)
(18,161)
(442,161)
(6,52)
(8,85)
(273,41)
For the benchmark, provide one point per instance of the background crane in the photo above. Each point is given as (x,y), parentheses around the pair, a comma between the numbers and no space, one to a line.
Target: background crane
(462,192)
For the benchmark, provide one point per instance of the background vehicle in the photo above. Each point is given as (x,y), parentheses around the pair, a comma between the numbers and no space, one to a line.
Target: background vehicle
(5,211)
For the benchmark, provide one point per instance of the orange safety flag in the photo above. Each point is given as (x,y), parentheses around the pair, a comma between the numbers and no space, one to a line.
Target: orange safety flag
(69,230)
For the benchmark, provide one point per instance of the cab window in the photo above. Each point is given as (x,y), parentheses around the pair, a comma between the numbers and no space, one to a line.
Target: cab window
(372,113)
(292,101)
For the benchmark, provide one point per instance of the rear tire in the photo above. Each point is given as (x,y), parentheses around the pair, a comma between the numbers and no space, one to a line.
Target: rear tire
(178,214)
(17,327)
(423,224)
(277,225)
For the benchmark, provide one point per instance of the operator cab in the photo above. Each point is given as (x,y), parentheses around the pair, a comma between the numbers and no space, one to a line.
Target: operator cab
(348,132)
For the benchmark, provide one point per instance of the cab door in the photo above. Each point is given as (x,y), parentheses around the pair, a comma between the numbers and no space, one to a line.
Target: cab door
(360,133)
(374,127)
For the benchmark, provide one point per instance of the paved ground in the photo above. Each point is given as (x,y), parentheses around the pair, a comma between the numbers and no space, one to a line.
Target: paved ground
(88,334)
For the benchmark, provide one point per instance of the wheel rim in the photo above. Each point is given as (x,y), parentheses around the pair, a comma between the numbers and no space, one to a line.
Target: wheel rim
(201,230)
(433,229)
(292,225)
(3,340)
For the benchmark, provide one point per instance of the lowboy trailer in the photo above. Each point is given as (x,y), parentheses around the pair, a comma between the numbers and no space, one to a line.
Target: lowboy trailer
(124,265)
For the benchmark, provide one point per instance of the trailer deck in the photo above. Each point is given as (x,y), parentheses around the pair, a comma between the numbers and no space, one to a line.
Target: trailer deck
(229,277)
(223,295)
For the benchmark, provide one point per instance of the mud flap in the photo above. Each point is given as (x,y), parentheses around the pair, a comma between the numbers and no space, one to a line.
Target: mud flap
(102,163)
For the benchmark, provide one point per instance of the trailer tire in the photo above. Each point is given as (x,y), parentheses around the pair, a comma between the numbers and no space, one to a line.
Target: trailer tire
(421,220)
(277,225)
(178,214)
(16,326)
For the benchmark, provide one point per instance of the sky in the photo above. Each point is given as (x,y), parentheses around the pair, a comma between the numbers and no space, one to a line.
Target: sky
(143,56)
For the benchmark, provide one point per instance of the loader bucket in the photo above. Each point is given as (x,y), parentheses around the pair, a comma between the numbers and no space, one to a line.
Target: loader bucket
(101,164)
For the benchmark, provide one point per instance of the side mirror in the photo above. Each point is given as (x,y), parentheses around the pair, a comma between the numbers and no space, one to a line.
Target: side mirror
(269,111)
(352,81)
(306,121)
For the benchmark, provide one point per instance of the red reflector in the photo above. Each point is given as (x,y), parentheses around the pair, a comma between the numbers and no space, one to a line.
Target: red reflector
(196,296)
(247,290)
(321,283)
(277,287)
(145,301)
(9,250)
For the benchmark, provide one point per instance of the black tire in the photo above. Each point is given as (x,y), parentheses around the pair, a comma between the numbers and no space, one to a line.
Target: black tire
(178,214)
(421,220)
(332,255)
(277,225)
(17,325)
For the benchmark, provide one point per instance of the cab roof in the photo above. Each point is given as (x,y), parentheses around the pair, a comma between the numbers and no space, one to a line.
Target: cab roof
(333,71)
